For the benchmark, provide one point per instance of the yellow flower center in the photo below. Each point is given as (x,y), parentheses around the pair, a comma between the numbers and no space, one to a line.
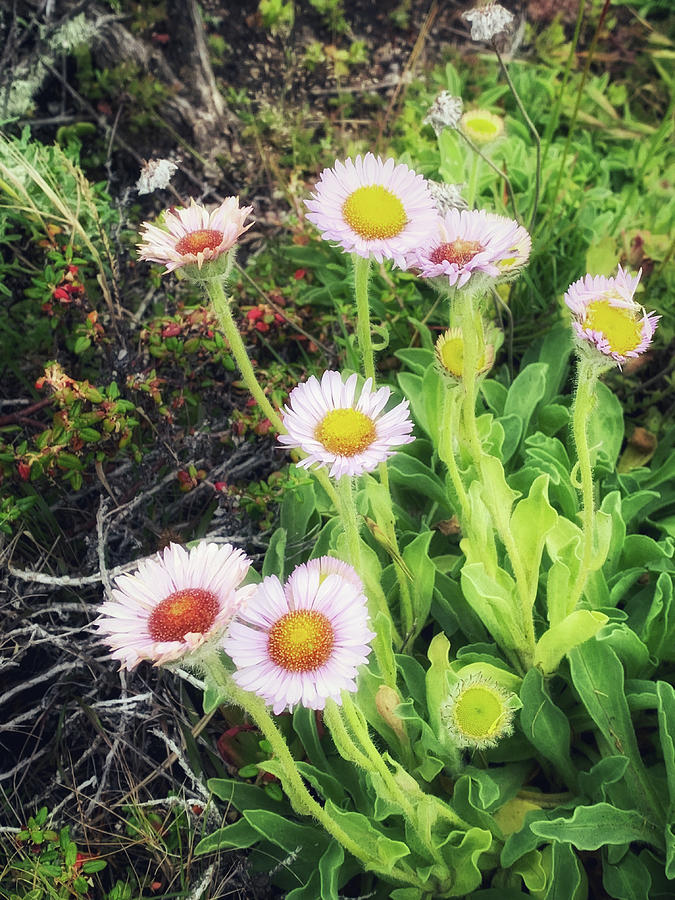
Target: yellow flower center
(301,641)
(374,213)
(482,126)
(189,610)
(345,432)
(618,324)
(197,241)
(459,251)
(478,712)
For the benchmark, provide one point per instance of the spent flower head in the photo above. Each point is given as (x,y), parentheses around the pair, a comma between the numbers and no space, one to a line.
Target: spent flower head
(195,238)
(488,21)
(444,112)
(606,319)
(155,175)
(174,603)
(447,196)
(372,208)
(334,428)
(466,245)
(478,712)
(301,644)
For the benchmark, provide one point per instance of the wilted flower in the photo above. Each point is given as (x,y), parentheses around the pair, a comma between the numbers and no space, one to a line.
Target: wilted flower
(450,354)
(446,196)
(195,237)
(155,175)
(372,208)
(444,112)
(605,316)
(467,244)
(326,421)
(481,126)
(301,644)
(174,603)
(478,712)
(488,21)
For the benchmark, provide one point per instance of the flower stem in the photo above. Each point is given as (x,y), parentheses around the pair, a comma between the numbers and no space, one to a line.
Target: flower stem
(584,400)
(361,275)
(301,799)
(449,428)
(221,306)
(533,132)
(473,181)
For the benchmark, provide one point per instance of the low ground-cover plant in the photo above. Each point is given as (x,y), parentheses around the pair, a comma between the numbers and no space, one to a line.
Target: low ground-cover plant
(456,655)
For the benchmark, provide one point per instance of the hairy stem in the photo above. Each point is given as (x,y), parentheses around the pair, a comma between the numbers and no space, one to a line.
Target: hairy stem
(361,275)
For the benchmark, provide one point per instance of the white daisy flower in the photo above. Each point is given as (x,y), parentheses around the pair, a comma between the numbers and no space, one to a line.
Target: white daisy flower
(372,208)
(326,421)
(301,645)
(194,236)
(174,603)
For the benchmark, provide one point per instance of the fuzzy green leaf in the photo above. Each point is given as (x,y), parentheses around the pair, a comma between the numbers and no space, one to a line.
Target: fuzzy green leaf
(595,826)
(545,725)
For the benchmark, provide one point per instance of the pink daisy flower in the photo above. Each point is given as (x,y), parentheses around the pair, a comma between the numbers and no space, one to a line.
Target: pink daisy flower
(174,603)
(605,315)
(372,208)
(302,644)
(326,421)
(520,249)
(194,236)
(466,244)
(325,566)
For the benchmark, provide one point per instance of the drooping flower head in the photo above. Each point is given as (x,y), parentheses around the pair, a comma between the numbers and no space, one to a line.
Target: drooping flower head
(606,317)
(466,244)
(301,644)
(488,21)
(372,208)
(334,428)
(450,355)
(444,112)
(195,237)
(482,126)
(478,712)
(174,603)
(520,249)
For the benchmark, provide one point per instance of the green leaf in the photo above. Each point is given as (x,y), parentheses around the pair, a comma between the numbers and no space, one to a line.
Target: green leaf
(628,879)
(605,428)
(599,678)
(567,879)
(608,770)
(527,390)
(237,836)
(531,521)
(666,713)
(595,826)
(434,389)
(275,558)
(246,796)
(304,725)
(462,853)
(81,344)
(495,602)
(384,851)
(557,642)
(417,359)
(290,836)
(297,508)
(408,472)
(546,726)
(93,865)
(416,557)
(411,385)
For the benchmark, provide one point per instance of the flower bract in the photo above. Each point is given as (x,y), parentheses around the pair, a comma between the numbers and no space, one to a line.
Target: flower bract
(301,644)
(606,317)
(372,208)
(482,126)
(478,712)
(450,354)
(174,603)
(194,236)
(334,428)
(466,244)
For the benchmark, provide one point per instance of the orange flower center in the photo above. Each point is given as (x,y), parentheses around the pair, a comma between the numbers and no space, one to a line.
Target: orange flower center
(197,241)
(345,432)
(459,251)
(189,610)
(301,641)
